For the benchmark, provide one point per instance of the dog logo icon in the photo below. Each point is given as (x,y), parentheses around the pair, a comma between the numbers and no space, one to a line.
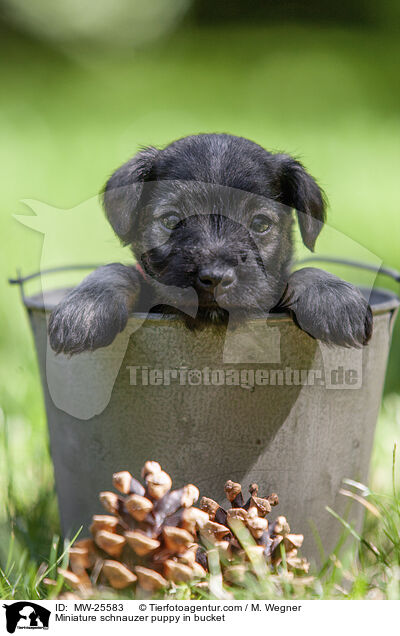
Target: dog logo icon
(26,615)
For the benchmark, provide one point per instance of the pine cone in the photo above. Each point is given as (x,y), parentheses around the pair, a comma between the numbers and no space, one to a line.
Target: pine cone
(153,535)
(224,532)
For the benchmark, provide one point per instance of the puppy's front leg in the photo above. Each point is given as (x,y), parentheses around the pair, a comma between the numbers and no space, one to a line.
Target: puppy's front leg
(328,308)
(91,315)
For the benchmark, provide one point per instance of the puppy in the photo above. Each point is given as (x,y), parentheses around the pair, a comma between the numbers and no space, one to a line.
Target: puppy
(209,220)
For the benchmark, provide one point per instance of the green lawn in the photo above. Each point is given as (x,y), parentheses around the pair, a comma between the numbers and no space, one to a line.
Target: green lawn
(328,96)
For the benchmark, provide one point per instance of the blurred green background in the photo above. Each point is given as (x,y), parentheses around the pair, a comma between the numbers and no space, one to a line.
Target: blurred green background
(83,85)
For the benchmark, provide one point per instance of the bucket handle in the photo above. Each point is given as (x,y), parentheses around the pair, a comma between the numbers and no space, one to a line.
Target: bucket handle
(387,271)
(21,280)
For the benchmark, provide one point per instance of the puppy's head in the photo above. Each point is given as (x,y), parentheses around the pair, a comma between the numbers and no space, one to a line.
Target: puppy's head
(214,212)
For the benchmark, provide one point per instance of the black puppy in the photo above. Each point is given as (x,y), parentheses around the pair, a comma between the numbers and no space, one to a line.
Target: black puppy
(211,213)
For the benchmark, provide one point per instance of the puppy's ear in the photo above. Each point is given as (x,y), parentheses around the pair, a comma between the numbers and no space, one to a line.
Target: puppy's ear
(300,191)
(123,190)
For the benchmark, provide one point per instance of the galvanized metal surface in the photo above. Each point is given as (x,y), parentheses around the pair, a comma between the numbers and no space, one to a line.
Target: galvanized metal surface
(299,441)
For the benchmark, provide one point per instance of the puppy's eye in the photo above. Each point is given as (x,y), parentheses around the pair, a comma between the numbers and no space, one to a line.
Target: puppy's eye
(260,224)
(169,221)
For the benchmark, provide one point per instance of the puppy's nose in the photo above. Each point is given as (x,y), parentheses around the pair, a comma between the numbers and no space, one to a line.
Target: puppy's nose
(209,278)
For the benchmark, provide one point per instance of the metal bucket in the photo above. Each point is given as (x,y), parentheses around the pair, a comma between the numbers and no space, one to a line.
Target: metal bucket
(115,408)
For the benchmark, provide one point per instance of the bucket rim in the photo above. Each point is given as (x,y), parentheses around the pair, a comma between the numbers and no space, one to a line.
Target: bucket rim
(389,303)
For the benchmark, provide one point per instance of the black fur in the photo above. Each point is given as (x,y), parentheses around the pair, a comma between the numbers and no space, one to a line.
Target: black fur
(213,188)
(93,313)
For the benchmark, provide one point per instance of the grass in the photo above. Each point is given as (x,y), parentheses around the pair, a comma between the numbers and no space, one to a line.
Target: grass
(328,95)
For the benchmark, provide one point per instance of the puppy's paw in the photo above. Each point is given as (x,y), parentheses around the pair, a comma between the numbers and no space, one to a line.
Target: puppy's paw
(340,315)
(85,321)
(329,309)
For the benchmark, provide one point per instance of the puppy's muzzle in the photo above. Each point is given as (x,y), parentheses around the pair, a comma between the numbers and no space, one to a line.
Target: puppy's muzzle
(208,278)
